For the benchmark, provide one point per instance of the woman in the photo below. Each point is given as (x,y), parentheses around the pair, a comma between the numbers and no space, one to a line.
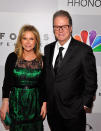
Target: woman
(23,94)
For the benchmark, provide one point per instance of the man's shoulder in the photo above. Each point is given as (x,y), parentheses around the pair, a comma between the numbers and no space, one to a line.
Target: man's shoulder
(81,44)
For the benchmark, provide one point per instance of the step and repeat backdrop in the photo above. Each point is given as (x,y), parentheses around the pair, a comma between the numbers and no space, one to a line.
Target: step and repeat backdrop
(86,27)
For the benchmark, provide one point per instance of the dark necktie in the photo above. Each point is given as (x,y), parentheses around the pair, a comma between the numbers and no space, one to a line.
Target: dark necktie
(58,60)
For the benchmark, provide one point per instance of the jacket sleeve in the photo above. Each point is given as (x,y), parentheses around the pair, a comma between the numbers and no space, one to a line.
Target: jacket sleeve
(8,76)
(90,77)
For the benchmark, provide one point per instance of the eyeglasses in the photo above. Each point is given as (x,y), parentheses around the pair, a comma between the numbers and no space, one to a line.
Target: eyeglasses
(63,27)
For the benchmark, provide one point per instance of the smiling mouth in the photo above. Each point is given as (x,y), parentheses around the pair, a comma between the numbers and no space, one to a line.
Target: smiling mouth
(61,35)
(27,46)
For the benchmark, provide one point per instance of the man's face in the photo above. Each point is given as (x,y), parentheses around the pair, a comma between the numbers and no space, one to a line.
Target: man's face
(62,29)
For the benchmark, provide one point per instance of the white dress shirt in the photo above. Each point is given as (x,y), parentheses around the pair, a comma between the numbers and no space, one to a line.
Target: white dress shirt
(56,50)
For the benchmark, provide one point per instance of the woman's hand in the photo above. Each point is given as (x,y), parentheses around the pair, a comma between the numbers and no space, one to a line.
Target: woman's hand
(4,108)
(44,110)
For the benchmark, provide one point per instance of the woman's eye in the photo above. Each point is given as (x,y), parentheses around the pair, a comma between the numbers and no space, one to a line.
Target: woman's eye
(31,39)
(24,38)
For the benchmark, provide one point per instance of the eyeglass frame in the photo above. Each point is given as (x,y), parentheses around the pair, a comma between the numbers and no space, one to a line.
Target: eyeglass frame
(63,27)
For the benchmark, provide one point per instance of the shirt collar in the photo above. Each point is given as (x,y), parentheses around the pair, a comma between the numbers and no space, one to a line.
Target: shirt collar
(65,46)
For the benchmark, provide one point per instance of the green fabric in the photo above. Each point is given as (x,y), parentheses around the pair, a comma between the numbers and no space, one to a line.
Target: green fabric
(29,73)
(24,104)
(27,106)
(27,76)
(36,126)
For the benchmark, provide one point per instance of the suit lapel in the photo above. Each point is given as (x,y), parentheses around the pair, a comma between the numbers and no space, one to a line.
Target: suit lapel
(68,54)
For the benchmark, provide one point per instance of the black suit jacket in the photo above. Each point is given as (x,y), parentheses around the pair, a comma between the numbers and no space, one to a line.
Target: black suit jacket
(76,81)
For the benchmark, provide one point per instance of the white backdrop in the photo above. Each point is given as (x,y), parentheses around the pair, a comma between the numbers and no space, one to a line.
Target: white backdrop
(86,16)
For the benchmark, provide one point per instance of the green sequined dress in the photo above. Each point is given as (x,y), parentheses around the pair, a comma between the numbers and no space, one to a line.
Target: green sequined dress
(24,104)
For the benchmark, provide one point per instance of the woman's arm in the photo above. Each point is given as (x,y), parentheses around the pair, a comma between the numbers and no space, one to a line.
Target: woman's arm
(7,83)
(44,110)
(4,108)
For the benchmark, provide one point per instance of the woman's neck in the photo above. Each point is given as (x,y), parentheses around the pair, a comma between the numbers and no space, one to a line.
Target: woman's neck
(29,55)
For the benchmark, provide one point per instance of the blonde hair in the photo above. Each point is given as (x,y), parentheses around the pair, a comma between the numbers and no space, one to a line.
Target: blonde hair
(18,46)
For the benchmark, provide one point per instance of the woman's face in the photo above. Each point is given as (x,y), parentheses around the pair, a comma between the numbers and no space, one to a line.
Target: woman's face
(28,41)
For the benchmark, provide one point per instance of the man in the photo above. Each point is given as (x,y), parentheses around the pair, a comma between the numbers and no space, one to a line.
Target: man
(71,78)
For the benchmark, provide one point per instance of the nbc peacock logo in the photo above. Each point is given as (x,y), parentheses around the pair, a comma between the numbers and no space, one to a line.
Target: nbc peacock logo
(91,38)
